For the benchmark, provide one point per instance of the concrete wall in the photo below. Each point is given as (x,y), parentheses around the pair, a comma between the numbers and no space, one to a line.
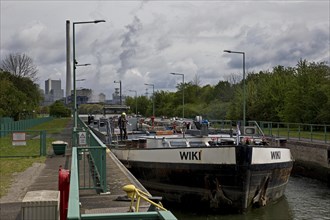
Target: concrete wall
(311,159)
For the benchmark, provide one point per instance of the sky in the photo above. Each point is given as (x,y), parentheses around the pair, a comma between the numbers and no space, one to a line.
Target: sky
(144,41)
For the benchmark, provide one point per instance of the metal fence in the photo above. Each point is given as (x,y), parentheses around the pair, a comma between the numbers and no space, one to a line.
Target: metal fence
(92,158)
(297,131)
(291,131)
(7,124)
(93,154)
(23,143)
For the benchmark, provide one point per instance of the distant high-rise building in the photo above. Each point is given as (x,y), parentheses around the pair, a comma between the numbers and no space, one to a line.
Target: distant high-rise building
(101,97)
(53,91)
(83,95)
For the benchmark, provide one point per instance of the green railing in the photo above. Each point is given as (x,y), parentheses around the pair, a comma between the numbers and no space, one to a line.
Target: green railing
(92,156)
(74,203)
(7,124)
(293,131)
(297,131)
(93,146)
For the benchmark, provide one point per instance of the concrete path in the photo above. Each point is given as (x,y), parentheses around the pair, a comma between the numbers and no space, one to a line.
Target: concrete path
(45,177)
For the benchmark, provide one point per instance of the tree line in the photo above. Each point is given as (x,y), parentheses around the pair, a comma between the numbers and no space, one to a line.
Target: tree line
(20,96)
(299,94)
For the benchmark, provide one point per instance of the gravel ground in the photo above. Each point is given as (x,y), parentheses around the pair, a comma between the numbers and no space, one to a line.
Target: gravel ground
(21,183)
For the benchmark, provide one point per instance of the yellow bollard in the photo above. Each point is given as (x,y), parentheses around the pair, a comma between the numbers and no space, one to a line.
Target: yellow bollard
(135,193)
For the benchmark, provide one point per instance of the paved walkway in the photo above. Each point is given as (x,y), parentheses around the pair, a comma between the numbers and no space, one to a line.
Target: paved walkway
(45,177)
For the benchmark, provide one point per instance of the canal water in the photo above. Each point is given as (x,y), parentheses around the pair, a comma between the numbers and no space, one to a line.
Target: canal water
(304,199)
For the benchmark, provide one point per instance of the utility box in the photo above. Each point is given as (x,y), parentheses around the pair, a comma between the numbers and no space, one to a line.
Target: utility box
(41,205)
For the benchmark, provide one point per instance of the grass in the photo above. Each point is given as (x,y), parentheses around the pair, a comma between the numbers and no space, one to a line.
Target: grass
(52,127)
(31,149)
(9,166)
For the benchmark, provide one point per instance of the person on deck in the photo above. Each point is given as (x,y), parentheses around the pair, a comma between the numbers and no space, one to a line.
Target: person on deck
(122,124)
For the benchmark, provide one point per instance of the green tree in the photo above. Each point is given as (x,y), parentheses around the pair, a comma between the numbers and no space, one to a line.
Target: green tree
(90,109)
(205,95)
(58,109)
(164,104)
(12,101)
(308,98)
(223,91)
(21,95)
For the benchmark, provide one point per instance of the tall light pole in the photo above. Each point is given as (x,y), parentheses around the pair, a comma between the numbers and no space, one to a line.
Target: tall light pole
(244,91)
(75,86)
(181,74)
(136,112)
(75,115)
(121,101)
(153,97)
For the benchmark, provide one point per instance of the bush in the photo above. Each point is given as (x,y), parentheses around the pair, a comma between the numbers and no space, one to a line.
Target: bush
(57,109)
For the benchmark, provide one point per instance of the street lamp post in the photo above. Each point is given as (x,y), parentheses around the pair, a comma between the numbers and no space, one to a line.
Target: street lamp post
(121,101)
(181,74)
(244,90)
(136,112)
(153,97)
(75,86)
(75,115)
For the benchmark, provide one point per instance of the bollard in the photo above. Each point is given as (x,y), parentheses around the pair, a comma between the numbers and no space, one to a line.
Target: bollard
(64,187)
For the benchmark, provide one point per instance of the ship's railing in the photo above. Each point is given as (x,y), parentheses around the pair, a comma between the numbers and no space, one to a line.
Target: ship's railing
(291,131)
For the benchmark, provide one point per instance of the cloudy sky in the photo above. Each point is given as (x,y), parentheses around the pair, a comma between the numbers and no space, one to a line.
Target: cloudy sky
(143,41)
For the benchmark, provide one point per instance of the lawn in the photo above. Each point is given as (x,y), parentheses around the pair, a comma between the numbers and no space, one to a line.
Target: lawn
(9,166)
(12,165)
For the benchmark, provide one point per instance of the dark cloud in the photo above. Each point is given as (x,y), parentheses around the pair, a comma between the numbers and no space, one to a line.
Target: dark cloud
(266,46)
(130,45)
(142,42)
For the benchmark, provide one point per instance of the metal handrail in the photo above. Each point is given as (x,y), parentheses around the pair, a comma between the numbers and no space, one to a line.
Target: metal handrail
(97,152)
(74,212)
(74,208)
(295,131)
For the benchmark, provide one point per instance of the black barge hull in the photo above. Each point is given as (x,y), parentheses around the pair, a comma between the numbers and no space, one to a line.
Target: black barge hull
(222,186)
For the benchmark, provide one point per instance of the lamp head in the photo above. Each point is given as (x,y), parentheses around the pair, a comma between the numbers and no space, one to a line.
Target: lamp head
(98,21)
